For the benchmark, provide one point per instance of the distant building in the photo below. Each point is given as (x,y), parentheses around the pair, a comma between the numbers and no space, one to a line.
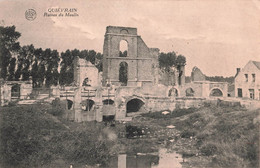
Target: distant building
(14,91)
(247,81)
(85,73)
(197,75)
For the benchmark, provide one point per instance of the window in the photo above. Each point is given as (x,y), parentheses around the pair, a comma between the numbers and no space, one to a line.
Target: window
(252,93)
(239,92)
(246,77)
(189,92)
(15,91)
(253,77)
(123,71)
(123,48)
(216,93)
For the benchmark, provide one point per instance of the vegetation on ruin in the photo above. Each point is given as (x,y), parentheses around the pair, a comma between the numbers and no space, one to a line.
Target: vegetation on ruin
(171,59)
(230,79)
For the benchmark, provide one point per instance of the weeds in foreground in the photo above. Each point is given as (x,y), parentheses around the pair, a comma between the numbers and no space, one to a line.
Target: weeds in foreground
(30,138)
(229,137)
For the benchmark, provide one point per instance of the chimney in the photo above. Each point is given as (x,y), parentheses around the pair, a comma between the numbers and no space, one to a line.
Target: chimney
(238,70)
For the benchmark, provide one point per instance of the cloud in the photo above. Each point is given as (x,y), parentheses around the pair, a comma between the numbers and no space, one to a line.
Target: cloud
(70,25)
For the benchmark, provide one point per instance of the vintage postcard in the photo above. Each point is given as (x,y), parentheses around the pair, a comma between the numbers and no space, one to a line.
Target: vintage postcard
(129,83)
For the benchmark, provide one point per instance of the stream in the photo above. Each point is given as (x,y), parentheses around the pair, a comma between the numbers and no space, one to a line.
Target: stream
(162,159)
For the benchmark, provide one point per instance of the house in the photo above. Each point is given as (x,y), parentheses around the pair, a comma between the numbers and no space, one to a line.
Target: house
(247,81)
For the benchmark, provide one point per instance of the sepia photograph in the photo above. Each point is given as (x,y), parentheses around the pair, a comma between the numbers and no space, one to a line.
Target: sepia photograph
(129,83)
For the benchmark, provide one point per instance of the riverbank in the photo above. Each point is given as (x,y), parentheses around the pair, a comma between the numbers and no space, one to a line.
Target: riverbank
(211,136)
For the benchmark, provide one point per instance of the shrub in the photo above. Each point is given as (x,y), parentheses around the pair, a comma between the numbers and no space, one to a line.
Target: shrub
(58,109)
(133,131)
(188,133)
(11,104)
(30,138)
(175,113)
(208,149)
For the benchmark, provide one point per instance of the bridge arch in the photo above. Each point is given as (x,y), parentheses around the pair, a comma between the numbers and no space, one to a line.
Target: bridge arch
(173,92)
(189,92)
(108,102)
(134,104)
(216,92)
(69,104)
(87,105)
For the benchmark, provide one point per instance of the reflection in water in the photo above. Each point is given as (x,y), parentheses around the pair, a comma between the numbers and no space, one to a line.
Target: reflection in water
(168,160)
(164,160)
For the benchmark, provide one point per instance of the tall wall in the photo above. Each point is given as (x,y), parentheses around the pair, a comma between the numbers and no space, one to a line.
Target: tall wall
(197,75)
(141,60)
(84,69)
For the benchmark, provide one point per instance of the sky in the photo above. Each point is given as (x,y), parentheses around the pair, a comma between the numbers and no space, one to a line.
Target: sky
(217,36)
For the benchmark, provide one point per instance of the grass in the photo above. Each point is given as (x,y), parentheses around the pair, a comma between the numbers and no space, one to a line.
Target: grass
(174,114)
(32,138)
(226,135)
(211,136)
(222,135)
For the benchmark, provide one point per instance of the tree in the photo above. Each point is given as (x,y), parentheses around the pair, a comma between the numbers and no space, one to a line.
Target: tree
(99,63)
(25,71)
(25,59)
(55,75)
(123,54)
(92,56)
(12,69)
(66,73)
(41,74)
(181,60)
(167,60)
(18,72)
(48,76)
(34,73)
(38,60)
(8,47)
(53,58)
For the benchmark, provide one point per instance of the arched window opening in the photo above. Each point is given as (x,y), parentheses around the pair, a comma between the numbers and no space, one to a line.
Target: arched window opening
(15,91)
(87,105)
(216,93)
(189,92)
(69,104)
(86,82)
(124,31)
(135,105)
(123,48)
(123,71)
(173,92)
(108,102)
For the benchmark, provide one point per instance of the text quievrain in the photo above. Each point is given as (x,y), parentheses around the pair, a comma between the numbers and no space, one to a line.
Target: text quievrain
(61,12)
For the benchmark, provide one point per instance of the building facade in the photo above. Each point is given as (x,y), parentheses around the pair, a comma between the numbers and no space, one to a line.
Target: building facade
(137,67)
(247,81)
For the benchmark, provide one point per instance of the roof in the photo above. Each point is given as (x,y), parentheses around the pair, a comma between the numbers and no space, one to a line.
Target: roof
(257,64)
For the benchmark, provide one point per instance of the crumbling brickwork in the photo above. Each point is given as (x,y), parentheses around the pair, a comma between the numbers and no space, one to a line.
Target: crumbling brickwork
(142,62)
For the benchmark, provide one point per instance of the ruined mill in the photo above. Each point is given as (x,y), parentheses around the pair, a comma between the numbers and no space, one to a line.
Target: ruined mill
(131,83)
